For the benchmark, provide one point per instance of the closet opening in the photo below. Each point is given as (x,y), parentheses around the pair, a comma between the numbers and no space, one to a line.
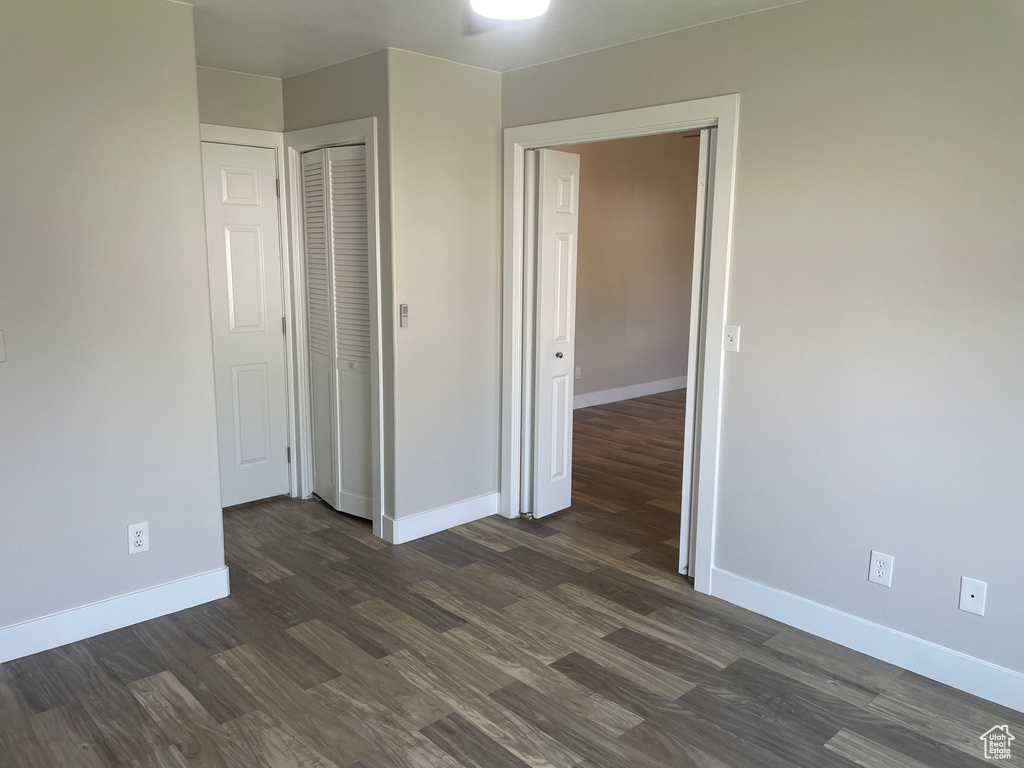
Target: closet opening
(333,202)
(542,209)
(338,323)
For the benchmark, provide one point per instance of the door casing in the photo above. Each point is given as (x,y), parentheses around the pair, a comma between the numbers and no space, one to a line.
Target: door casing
(721,112)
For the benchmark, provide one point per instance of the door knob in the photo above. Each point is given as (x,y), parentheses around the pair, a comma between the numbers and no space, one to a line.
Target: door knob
(559,355)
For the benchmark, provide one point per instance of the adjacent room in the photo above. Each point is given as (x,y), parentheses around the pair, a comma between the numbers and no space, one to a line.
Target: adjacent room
(548,383)
(637,222)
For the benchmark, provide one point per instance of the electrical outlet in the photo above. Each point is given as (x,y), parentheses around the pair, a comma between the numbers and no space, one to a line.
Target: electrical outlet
(138,538)
(579,372)
(881,568)
(972,595)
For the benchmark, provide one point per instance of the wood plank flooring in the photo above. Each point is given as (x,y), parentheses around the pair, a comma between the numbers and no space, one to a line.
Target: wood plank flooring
(566,642)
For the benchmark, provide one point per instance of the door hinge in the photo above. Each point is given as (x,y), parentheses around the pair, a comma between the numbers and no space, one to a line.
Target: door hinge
(288,450)
(284,326)
(277,183)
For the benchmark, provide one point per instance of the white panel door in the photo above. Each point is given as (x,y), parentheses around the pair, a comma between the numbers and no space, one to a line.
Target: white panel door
(557,229)
(244,249)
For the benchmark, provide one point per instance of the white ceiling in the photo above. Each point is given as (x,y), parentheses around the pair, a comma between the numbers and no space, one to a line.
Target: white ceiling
(281,38)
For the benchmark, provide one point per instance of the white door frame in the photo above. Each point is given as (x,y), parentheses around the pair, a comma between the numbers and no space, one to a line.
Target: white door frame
(721,112)
(248,137)
(362,131)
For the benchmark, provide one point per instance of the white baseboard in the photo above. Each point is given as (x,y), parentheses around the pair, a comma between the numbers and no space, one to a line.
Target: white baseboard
(627,393)
(441,519)
(966,673)
(94,619)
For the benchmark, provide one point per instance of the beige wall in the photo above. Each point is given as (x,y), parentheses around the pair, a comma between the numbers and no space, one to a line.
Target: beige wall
(240,100)
(347,91)
(446,150)
(638,202)
(106,399)
(878,277)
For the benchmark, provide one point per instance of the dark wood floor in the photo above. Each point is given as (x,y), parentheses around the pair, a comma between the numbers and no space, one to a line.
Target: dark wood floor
(567,642)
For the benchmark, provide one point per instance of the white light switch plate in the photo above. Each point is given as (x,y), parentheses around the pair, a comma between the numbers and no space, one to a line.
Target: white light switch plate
(732,338)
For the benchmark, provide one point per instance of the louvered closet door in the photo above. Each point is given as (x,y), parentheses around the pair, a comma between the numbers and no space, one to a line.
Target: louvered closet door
(321,336)
(351,284)
(338,284)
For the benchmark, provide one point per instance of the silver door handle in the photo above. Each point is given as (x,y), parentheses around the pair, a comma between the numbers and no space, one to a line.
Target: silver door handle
(559,355)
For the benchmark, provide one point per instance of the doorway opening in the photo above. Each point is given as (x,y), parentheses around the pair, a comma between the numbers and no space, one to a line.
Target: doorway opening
(540,292)
(637,222)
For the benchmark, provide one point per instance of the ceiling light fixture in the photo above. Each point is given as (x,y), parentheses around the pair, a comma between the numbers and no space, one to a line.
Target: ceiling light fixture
(510,10)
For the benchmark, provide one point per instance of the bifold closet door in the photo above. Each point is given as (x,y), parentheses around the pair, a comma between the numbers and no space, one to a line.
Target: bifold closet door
(338,298)
(558,191)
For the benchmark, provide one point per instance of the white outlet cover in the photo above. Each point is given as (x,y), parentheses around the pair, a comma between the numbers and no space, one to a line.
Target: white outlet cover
(732,338)
(972,595)
(138,538)
(880,571)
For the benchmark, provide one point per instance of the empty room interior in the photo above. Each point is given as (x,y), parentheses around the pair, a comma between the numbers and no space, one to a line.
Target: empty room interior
(480,383)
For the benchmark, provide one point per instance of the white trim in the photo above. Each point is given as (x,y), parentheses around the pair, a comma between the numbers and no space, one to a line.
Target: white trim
(966,673)
(605,396)
(94,619)
(249,137)
(441,519)
(363,131)
(719,111)
(695,350)
(531,219)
